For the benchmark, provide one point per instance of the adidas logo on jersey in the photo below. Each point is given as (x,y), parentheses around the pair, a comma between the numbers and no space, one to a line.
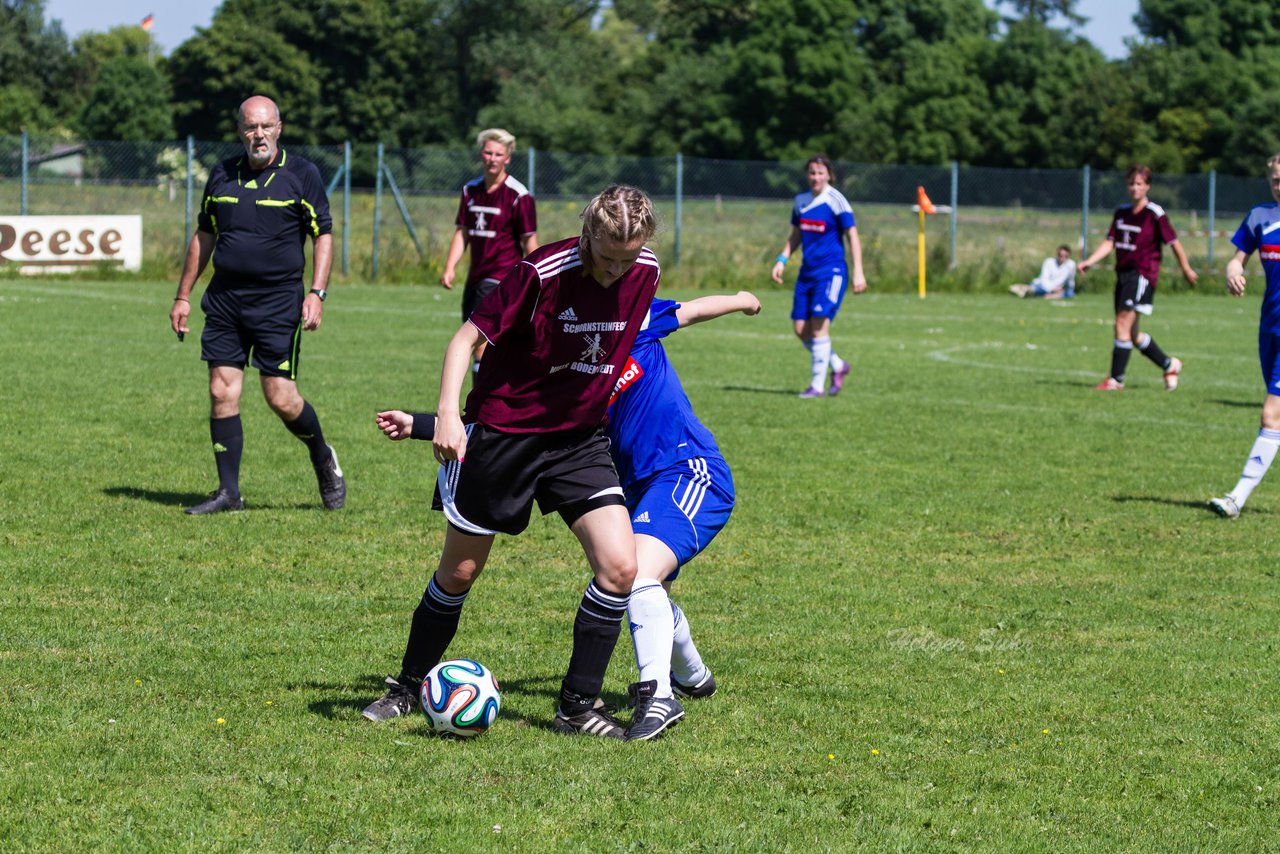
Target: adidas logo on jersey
(568,314)
(642,519)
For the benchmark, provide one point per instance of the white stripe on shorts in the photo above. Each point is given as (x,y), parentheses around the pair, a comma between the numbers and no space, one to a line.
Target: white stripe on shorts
(447,483)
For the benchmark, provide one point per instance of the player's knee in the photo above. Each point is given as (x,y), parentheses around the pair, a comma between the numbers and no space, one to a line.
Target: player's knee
(616,576)
(457,579)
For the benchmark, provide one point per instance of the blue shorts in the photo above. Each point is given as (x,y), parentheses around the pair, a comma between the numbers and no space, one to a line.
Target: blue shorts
(684,506)
(1269,357)
(819,294)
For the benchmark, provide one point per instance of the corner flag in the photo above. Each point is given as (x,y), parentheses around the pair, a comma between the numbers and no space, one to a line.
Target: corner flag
(922,199)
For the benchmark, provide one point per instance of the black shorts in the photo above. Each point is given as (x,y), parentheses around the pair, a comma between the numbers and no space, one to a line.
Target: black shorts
(1134,292)
(264,322)
(493,491)
(473,293)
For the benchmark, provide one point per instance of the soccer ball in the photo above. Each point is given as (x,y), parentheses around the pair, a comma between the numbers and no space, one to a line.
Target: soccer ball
(460,698)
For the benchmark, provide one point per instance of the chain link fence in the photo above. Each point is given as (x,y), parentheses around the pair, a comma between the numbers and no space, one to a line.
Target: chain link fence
(724,220)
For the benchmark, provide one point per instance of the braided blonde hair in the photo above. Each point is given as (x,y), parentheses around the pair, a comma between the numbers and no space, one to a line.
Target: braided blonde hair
(620,213)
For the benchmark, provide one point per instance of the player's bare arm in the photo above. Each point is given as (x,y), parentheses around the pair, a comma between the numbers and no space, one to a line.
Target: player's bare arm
(793,241)
(855,252)
(313,306)
(1235,273)
(451,439)
(198,252)
(1181,254)
(717,305)
(1103,250)
(529,243)
(456,247)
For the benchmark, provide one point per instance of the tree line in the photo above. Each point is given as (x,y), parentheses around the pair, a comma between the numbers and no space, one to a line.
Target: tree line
(873,81)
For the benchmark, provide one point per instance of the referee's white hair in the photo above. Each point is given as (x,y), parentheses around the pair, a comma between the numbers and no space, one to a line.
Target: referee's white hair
(620,213)
(498,135)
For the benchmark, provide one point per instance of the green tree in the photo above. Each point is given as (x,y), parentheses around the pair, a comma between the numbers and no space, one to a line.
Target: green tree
(34,58)
(233,59)
(130,101)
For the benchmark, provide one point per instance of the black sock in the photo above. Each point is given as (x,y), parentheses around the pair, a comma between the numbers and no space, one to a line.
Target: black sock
(228,447)
(1120,360)
(1153,352)
(435,622)
(307,428)
(595,633)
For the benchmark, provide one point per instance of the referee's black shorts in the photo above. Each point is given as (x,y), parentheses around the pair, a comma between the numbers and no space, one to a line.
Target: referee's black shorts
(493,490)
(264,324)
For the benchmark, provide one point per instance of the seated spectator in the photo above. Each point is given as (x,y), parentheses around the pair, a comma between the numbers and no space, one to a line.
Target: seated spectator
(1057,279)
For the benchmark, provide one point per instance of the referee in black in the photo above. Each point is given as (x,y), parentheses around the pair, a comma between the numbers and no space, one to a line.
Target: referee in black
(255,216)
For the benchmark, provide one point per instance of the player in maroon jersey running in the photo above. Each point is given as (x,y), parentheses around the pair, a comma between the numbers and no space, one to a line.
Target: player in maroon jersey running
(497,220)
(559,328)
(1138,233)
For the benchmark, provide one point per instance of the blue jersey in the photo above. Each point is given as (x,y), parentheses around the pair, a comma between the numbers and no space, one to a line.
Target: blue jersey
(651,422)
(1260,232)
(822,219)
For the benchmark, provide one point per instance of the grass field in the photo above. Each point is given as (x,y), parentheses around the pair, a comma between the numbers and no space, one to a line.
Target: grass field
(969,604)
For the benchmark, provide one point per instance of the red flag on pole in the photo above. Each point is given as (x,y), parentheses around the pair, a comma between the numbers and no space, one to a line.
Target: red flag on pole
(147,23)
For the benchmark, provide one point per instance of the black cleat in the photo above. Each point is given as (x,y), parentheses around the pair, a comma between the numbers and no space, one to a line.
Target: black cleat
(653,715)
(396,703)
(333,487)
(596,720)
(705,688)
(218,501)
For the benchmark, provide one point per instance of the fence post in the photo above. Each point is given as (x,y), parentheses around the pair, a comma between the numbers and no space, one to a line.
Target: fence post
(377,212)
(1213,207)
(532,173)
(191,167)
(1084,211)
(955,206)
(25,155)
(346,204)
(679,204)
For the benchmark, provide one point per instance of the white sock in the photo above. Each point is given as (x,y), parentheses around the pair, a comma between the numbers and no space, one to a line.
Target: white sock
(1260,457)
(837,364)
(821,361)
(686,663)
(652,627)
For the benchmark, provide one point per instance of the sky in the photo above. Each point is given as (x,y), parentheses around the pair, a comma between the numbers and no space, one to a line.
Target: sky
(1111,21)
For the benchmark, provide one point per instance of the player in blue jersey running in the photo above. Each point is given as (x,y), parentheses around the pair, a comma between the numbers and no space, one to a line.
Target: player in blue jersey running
(679,492)
(821,226)
(1260,232)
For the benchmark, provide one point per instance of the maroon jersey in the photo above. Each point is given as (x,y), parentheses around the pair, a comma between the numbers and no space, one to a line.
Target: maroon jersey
(558,341)
(494,224)
(1139,238)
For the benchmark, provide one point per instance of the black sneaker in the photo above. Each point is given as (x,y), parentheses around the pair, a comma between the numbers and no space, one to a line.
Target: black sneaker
(705,688)
(333,487)
(653,715)
(597,720)
(219,500)
(396,703)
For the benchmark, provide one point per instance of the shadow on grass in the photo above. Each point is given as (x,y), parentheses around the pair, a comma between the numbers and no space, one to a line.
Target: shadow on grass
(186,499)
(1159,499)
(172,499)
(785,392)
(371,686)
(1239,404)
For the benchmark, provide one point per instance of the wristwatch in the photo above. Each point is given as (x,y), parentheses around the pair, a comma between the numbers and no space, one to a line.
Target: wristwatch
(320,292)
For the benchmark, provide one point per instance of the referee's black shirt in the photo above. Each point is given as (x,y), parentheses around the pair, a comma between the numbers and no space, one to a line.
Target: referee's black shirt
(262,220)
